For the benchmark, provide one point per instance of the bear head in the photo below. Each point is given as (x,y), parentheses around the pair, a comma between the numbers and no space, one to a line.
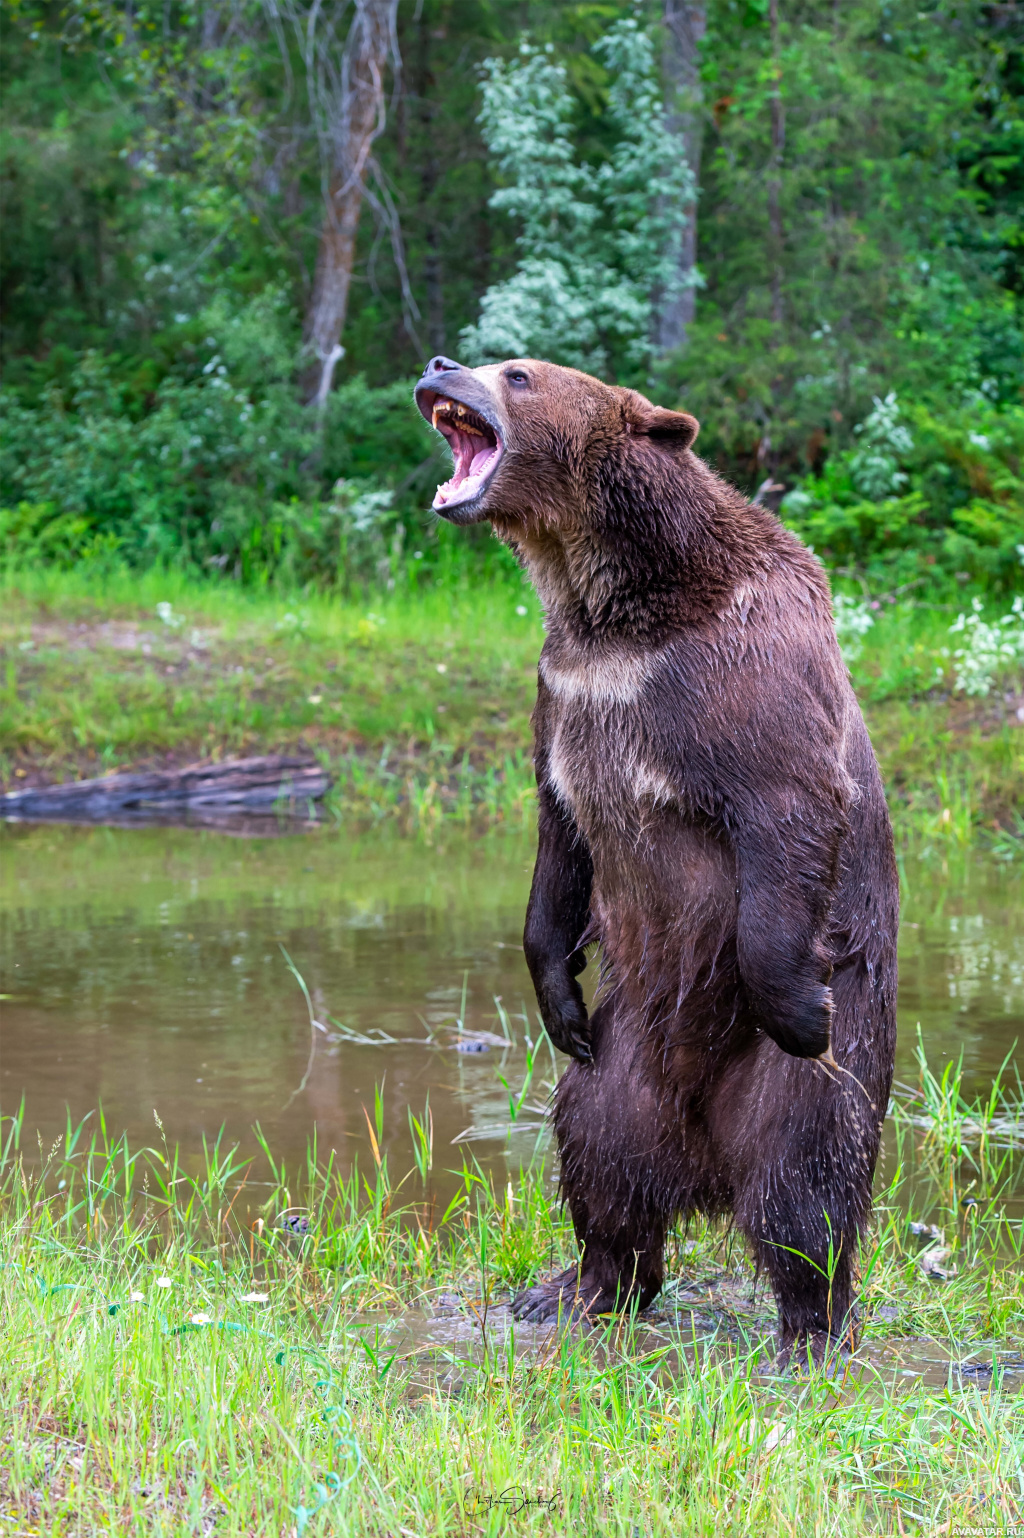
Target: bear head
(532,441)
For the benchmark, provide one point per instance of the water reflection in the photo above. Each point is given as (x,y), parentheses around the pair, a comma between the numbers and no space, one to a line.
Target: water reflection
(961,964)
(143,972)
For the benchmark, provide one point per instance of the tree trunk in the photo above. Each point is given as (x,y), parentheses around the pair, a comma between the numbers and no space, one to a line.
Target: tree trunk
(778,134)
(429,176)
(685,24)
(359,118)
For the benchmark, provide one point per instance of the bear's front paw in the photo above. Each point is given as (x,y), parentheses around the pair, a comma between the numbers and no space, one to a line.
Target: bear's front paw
(803,1026)
(565,1019)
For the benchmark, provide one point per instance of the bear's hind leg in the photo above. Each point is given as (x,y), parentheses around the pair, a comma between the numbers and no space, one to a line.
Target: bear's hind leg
(616,1271)
(804,1160)
(618,1144)
(814,1301)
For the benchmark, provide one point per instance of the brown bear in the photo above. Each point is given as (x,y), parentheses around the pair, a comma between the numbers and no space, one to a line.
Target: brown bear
(711,815)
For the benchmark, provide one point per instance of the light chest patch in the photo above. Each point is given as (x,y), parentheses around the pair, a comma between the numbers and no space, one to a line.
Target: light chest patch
(598,771)
(614,679)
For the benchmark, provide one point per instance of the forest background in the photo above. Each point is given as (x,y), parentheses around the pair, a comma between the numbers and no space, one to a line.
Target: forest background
(216,214)
(233,231)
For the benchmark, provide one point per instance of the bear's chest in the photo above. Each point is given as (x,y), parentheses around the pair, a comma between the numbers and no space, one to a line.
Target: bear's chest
(606,762)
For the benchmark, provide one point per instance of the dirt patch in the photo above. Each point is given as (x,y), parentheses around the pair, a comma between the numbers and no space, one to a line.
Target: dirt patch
(987,714)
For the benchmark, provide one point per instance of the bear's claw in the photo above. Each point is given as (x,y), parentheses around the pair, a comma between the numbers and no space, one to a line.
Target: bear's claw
(801,1351)
(563,1297)
(568,1297)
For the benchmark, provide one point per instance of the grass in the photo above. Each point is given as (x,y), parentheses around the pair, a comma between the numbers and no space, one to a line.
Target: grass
(244,1349)
(420,701)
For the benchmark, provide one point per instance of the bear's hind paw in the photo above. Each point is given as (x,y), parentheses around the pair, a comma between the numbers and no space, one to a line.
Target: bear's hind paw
(805,1351)
(573,1298)
(564,1297)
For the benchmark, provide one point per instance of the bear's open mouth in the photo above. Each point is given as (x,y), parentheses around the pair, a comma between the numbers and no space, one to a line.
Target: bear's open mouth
(475,446)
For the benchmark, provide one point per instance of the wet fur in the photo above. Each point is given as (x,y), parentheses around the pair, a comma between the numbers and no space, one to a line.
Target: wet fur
(711,815)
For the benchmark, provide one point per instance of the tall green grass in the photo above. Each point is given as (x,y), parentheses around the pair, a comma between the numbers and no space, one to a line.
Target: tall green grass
(420,702)
(241,1348)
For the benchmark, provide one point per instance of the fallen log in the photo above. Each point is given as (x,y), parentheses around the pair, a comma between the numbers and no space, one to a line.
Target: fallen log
(264,785)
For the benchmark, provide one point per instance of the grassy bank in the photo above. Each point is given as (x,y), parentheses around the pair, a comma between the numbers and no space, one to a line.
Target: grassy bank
(253,1350)
(420,700)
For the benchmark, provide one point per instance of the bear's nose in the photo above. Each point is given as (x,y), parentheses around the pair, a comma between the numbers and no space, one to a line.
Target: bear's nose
(440,365)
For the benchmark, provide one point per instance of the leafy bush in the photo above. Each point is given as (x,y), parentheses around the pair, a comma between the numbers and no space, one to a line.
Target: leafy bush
(37,533)
(921,499)
(597,241)
(222,467)
(884,441)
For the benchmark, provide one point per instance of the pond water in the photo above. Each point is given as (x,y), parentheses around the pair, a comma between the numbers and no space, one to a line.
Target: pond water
(144,972)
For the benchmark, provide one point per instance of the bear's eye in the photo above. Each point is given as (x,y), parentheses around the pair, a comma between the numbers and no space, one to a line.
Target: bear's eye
(517,376)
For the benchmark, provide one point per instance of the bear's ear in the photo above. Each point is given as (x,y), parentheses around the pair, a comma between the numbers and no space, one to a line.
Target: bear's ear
(674,429)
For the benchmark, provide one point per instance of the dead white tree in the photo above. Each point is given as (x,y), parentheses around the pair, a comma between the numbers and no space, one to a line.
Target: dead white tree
(685,22)
(346,49)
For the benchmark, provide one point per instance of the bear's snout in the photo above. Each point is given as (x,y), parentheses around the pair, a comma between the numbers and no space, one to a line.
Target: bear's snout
(461,407)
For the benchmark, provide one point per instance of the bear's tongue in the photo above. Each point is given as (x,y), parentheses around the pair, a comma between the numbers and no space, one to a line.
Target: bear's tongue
(474,459)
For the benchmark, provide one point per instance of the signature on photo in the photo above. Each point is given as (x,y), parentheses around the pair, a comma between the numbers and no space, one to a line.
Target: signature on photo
(514,1498)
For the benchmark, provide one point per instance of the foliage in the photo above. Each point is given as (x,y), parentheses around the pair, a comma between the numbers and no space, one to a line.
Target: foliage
(597,243)
(948,501)
(128,141)
(900,195)
(161,176)
(874,466)
(988,649)
(221,467)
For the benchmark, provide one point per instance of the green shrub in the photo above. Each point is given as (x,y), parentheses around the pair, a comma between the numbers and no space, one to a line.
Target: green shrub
(221,467)
(921,499)
(39,533)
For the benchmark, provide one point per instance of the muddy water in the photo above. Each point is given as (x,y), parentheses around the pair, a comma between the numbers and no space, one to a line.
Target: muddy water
(143,972)
(447,1340)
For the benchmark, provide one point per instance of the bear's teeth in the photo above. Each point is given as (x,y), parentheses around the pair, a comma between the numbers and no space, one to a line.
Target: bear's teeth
(443,407)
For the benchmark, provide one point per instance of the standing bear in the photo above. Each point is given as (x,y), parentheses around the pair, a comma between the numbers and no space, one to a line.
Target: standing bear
(711,815)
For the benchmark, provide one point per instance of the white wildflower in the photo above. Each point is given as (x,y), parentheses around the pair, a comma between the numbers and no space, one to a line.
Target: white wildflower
(173,621)
(988,649)
(290,623)
(853,620)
